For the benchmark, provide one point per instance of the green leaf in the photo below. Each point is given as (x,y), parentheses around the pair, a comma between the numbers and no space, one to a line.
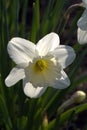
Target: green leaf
(35,22)
(76,110)
(22,122)
(4,113)
(58,122)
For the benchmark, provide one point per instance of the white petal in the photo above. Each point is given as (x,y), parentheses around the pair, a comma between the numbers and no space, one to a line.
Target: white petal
(15,75)
(48,43)
(65,55)
(85,3)
(81,36)
(31,91)
(62,83)
(82,22)
(21,50)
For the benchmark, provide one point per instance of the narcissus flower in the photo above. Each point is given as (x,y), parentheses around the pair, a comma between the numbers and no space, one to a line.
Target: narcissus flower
(39,65)
(82,26)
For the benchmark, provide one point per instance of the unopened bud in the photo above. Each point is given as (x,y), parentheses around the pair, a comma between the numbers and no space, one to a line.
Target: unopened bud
(45,120)
(79,96)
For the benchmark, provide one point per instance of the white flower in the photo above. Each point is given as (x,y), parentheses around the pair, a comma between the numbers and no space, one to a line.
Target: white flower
(39,65)
(81,36)
(82,26)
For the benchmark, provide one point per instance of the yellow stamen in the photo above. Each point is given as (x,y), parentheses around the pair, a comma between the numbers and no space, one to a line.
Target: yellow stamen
(40,65)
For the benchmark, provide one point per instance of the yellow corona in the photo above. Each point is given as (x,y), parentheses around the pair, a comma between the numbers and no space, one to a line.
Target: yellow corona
(40,65)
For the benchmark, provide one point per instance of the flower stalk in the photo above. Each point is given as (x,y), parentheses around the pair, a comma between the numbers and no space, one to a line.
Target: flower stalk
(78,97)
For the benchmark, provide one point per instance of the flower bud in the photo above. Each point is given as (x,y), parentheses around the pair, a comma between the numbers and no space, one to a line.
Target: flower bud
(79,96)
(45,119)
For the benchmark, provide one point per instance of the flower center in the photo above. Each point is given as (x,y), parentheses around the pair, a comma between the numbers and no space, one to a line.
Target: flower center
(40,65)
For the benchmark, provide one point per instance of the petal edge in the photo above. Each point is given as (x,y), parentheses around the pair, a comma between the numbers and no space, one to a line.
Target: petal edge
(14,76)
(31,91)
